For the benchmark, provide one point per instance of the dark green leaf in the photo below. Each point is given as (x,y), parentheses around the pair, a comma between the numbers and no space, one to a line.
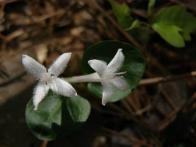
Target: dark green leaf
(56,113)
(42,121)
(134,65)
(79,108)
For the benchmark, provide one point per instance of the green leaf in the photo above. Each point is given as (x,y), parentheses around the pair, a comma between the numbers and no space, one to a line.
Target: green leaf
(56,113)
(151,4)
(135,24)
(175,18)
(170,33)
(122,13)
(79,108)
(134,65)
(42,122)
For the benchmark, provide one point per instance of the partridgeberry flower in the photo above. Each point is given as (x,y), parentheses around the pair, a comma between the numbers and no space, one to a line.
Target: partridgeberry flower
(48,79)
(109,75)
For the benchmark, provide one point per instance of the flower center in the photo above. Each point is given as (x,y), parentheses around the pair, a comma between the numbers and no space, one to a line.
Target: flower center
(107,76)
(47,77)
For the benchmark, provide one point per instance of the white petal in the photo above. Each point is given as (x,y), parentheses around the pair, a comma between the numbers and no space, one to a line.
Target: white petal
(120,82)
(62,87)
(98,65)
(40,92)
(59,64)
(107,93)
(33,67)
(116,63)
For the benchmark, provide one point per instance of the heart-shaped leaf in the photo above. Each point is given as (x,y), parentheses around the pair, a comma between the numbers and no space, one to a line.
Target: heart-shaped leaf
(56,113)
(79,108)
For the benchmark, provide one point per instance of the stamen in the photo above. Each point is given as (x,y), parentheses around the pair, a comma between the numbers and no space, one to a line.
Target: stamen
(120,73)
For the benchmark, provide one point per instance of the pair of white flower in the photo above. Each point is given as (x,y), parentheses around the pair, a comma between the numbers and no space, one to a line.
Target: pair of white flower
(48,79)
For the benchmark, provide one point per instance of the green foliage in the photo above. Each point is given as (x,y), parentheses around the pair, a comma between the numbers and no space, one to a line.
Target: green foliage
(79,108)
(135,24)
(170,33)
(122,13)
(134,65)
(175,25)
(56,113)
(151,4)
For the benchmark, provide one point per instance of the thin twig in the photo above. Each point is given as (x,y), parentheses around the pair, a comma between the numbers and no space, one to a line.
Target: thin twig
(7,1)
(157,80)
(13,79)
(44,143)
(127,36)
(47,16)
(129,137)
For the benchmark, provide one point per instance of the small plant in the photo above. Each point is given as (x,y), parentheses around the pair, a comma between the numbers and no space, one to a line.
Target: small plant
(56,107)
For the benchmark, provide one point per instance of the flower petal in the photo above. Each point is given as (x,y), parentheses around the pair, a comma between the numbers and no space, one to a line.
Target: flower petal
(40,92)
(107,93)
(33,67)
(116,63)
(98,65)
(120,83)
(62,87)
(59,64)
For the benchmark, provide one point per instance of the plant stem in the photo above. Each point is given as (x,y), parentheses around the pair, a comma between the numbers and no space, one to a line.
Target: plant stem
(94,77)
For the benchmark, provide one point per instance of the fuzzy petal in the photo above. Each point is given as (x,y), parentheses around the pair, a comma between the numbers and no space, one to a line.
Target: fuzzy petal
(40,92)
(62,87)
(59,64)
(107,93)
(33,67)
(98,65)
(120,82)
(116,63)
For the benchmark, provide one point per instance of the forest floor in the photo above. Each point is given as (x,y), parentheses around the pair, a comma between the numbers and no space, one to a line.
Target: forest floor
(160,112)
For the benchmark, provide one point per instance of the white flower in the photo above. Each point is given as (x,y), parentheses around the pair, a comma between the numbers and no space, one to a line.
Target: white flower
(109,76)
(48,79)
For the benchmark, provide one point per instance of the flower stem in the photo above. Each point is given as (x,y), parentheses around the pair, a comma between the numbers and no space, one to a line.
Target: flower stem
(94,77)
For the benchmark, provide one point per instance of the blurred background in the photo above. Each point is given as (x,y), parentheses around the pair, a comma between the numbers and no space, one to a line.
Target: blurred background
(155,114)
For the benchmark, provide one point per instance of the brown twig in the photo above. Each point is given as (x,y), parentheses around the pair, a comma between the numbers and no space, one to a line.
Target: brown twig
(44,17)
(7,1)
(157,80)
(13,35)
(13,79)
(127,36)
(44,143)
